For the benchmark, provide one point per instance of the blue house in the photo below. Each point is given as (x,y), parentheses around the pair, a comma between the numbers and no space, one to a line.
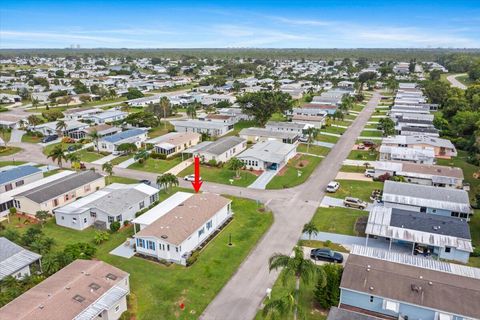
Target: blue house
(392,285)
(427,199)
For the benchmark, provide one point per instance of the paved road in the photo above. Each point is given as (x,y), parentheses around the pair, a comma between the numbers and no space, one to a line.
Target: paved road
(242,295)
(455,83)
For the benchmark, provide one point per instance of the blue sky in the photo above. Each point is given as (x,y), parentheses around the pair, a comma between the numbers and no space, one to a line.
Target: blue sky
(243,23)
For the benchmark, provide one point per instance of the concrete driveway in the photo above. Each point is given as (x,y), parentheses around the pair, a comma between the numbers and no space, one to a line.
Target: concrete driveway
(353,176)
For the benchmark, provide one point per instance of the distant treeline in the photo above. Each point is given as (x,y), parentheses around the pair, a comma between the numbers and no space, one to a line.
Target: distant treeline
(400,54)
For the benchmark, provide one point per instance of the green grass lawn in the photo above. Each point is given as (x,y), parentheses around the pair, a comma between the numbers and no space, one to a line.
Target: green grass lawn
(350,116)
(318,150)
(31,139)
(356,189)
(160,130)
(342,123)
(221,175)
(289,177)
(100,102)
(120,159)
(369,133)
(354,169)
(87,156)
(362,155)
(117,179)
(338,220)
(237,127)
(156,165)
(278,117)
(50,147)
(357,107)
(11,163)
(335,130)
(52,172)
(9,150)
(374,119)
(326,138)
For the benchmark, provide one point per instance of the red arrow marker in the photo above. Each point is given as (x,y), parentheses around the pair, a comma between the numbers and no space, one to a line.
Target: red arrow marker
(197,183)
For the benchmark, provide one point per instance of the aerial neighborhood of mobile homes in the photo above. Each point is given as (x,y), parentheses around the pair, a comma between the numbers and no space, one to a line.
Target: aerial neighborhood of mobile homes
(99,218)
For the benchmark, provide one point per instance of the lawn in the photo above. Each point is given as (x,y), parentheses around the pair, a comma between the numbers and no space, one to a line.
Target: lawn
(117,179)
(336,130)
(288,176)
(278,117)
(120,159)
(370,133)
(338,220)
(100,102)
(237,127)
(87,156)
(160,130)
(355,169)
(11,163)
(31,139)
(356,189)
(342,123)
(50,147)
(357,107)
(374,119)
(156,165)
(327,138)
(8,150)
(222,175)
(362,155)
(314,149)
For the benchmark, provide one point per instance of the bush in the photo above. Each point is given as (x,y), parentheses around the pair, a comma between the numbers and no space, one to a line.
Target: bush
(90,149)
(115,226)
(212,163)
(126,223)
(193,257)
(12,210)
(476,252)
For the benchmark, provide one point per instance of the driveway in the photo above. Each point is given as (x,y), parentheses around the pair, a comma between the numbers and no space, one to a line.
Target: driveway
(323,144)
(306,254)
(16,135)
(353,176)
(263,180)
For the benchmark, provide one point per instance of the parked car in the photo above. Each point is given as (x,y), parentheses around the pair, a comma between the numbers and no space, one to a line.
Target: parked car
(50,138)
(147,182)
(326,254)
(369,173)
(361,146)
(354,203)
(191,177)
(332,186)
(71,148)
(303,139)
(119,153)
(368,143)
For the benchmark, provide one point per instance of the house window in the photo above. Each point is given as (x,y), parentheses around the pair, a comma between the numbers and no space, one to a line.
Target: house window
(84,220)
(66,197)
(209,225)
(151,245)
(142,204)
(8,187)
(141,243)
(371,298)
(119,217)
(454,214)
(110,219)
(464,215)
(74,220)
(93,214)
(168,247)
(63,218)
(391,306)
(19,183)
(86,188)
(117,308)
(448,249)
(200,232)
(55,202)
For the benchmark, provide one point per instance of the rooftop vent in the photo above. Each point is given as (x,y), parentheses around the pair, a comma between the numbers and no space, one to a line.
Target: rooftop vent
(164,236)
(94,286)
(78,298)
(111,276)
(416,288)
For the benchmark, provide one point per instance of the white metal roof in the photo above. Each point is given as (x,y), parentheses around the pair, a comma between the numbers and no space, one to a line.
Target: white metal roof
(416,261)
(158,211)
(105,302)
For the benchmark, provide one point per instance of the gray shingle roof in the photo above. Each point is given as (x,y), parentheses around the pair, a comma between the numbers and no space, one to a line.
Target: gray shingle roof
(58,187)
(17,173)
(430,223)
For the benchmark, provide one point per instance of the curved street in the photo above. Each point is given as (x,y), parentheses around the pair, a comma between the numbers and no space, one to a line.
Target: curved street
(454,81)
(241,297)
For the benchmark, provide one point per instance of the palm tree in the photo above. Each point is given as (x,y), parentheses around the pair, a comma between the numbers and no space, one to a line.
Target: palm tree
(95,137)
(35,103)
(162,182)
(3,134)
(165,104)
(279,308)
(235,164)
(167,181)
(61,126)
(73,158)
(108,168)
(50,263)
(302,269)
(58,154)
(33,120)
(310,228)
(192,111)
(312,134)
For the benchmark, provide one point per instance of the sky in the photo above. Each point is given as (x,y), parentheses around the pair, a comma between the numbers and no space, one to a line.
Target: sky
(240,24)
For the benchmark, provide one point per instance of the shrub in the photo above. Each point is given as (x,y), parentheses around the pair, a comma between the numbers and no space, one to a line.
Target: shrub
(193,257)
(476,252)
(12,210)
(126,223)
(91,149)
(114,226)
(327,243)
(160,156)
(212,163)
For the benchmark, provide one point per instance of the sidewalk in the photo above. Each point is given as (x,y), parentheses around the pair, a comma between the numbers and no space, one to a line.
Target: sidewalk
(263,180)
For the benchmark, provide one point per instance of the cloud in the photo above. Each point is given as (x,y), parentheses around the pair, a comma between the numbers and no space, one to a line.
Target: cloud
(301,22)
